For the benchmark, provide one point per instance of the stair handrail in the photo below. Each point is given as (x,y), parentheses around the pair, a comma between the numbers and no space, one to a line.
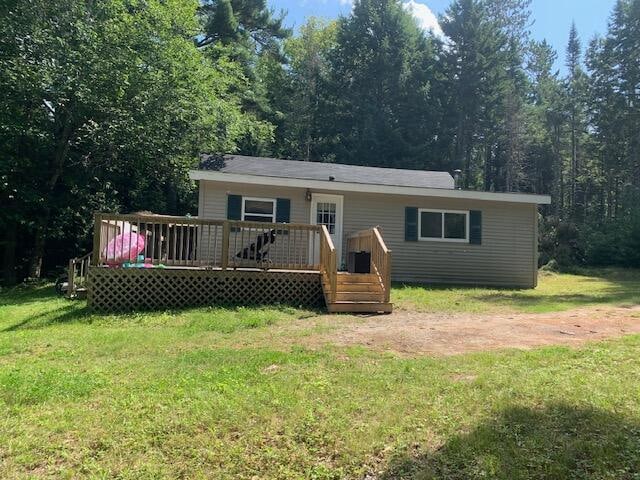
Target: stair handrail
(371,241)
(77,273)
(383,262)
(328,262)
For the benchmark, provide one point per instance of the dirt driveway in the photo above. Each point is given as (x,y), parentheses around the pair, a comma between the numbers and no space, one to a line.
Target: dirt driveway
(414,333)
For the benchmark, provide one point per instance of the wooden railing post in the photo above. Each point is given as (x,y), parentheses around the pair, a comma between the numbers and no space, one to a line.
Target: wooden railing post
(97,231)
(72,278)
(225,245)
(333,275)
(387,280)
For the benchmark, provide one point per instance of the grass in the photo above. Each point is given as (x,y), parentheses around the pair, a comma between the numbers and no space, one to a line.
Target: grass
(196,394)
(555,292)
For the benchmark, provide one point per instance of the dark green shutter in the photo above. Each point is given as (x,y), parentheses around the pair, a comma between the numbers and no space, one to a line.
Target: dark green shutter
(283,210)
(475,227)
(411,224)
(234,207)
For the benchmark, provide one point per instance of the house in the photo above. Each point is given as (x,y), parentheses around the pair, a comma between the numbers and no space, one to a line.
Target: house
(437,233)
(281,231)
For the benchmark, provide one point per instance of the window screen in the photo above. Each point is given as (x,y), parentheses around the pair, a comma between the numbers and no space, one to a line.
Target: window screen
(258,210)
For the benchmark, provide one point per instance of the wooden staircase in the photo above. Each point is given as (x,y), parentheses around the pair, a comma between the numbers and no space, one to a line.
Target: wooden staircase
(75,285)
(357,292)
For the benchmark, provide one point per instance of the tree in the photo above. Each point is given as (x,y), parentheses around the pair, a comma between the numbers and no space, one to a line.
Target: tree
(575,89)
(547,119)
(297,92)
(249,34)
(380,99)
(105,106)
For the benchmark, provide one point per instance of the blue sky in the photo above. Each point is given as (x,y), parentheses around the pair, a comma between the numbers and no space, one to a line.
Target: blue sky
(552,18)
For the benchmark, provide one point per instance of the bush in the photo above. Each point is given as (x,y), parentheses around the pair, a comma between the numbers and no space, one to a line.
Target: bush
(564,244)
(559,242)
(612,243)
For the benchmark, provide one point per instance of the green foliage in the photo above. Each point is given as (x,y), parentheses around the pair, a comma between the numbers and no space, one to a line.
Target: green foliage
(381,96)
(106,106)
(247,33)
(613,243)
(297,92)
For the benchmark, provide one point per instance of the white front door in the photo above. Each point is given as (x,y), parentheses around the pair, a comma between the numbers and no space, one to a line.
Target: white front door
(327,210)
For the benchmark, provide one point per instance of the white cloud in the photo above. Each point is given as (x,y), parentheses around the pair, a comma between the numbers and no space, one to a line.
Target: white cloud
(426,18)
(346,2)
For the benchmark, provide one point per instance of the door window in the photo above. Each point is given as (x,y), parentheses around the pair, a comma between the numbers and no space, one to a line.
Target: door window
(326,215)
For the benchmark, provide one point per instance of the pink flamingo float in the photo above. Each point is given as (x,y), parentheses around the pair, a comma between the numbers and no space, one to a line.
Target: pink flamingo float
(125,247)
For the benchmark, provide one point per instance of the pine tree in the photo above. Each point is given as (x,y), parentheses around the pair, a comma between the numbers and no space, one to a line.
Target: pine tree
(487,84)
(546,123)
(247,33)
(380,92)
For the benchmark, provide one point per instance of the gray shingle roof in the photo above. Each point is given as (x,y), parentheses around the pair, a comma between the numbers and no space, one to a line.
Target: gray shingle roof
(273,167)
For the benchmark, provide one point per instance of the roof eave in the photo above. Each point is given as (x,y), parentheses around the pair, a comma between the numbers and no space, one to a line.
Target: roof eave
(369,188)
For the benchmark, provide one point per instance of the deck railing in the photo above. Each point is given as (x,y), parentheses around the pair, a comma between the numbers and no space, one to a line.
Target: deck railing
(328,264)
(77,275)
(371,241)
(196,242)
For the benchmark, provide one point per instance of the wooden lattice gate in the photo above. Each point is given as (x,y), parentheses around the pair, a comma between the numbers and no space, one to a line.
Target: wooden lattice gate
(118,289)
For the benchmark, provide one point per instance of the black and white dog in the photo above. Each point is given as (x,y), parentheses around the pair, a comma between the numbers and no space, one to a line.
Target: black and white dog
(259,249)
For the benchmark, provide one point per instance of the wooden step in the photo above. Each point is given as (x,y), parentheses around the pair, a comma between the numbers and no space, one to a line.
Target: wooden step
(356,287)
(350,296)
(359,287)
(360,307)
(357,278)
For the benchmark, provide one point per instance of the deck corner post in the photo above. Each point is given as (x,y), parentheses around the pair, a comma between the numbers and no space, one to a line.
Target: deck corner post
(225,244)
(97,224)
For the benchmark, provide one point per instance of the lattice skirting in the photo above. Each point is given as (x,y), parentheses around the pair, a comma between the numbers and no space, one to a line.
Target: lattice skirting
(147,289)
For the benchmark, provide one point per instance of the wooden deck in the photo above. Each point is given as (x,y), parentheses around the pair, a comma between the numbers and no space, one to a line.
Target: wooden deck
(185,261)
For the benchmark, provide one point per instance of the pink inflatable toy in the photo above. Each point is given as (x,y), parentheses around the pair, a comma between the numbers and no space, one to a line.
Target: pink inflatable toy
(124,248)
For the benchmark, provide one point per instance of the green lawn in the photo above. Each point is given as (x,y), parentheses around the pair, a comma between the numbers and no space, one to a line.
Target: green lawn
(195,394)
(555,292)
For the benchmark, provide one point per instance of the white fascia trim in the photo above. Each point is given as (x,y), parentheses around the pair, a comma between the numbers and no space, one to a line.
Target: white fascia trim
(368,188)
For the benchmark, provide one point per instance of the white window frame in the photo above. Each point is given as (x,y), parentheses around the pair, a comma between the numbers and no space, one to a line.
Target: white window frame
(264,215)
(443,239)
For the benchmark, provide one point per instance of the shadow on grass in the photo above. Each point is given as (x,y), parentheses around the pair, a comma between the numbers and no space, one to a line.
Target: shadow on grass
(614,295)
(26,294)
(70,313)
(560,441)
(582,288)
(523,300)
(45,308)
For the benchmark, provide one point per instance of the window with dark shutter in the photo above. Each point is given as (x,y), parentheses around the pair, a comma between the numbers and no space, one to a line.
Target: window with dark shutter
(443,225)
(475,227)
(411,224)
(234,207)
(283,210)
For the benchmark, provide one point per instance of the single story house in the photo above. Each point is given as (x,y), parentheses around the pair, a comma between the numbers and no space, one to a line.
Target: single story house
(436,232)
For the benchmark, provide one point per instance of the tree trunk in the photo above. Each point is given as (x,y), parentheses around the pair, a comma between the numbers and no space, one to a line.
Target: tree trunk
(56,169)
(9,253)
(574,164)
(35,266)
(467,166)
(172,197)
(488,162)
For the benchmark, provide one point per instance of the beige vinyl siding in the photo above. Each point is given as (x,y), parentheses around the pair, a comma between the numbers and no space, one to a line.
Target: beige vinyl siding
(213,198)
(293,246)
(506,257)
